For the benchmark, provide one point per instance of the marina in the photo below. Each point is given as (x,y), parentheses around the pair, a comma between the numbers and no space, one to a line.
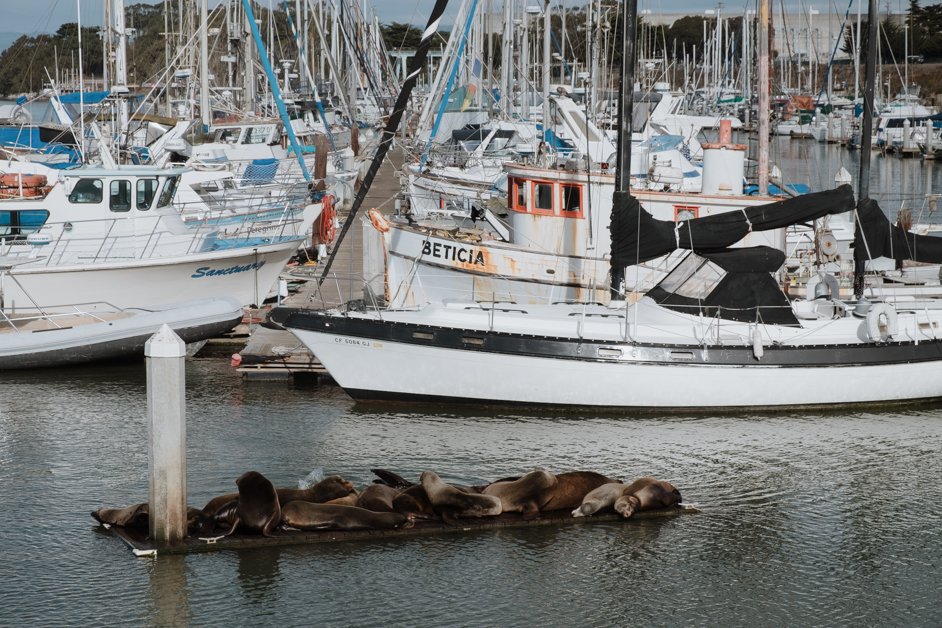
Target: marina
(477,319)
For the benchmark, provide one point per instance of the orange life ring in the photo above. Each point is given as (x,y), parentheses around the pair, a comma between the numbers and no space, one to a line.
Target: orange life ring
(328,230)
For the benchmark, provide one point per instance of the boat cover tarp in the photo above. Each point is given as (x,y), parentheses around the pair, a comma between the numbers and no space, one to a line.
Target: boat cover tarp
(747,291)
(875,236)
(637,236)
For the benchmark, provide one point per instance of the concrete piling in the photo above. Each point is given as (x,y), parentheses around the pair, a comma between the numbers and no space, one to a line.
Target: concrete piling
(166,415)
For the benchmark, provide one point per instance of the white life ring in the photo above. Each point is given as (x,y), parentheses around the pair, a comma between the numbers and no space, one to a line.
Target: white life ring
(887,313)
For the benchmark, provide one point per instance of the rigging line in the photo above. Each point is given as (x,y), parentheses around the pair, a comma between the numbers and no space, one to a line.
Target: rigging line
(391,126)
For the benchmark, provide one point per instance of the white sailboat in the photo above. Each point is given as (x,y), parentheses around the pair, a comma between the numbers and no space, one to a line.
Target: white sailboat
(716,333)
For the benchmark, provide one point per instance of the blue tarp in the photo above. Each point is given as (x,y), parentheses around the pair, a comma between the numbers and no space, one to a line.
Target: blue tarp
(88,98)
(260,171)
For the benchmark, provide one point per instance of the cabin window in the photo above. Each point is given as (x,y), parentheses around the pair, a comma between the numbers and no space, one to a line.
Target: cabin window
(120,196)
(146,191)
(87,191)
(229,136)
(543,196)
(257,134)
(21,222)
(572,199)
(520,195)
(166,195)
(694,278)
(685,212)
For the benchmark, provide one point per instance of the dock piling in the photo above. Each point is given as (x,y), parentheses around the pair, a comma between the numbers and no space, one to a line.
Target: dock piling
(166,415)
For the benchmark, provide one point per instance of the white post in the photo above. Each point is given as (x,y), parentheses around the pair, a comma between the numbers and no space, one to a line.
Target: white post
(166,414)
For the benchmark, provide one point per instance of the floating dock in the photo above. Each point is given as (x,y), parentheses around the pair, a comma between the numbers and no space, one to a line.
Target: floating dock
(138,543)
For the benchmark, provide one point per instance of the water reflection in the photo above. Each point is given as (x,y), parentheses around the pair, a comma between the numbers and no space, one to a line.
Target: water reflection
(169,591)
(259,575)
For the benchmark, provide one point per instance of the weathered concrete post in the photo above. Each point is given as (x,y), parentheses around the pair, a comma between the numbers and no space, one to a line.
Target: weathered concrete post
(166,415)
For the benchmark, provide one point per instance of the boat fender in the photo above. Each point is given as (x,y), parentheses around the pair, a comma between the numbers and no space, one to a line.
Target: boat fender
(378,220)
(757,349)
(885,313)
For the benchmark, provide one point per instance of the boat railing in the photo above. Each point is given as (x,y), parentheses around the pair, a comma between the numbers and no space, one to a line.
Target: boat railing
(110,239)
(348,292)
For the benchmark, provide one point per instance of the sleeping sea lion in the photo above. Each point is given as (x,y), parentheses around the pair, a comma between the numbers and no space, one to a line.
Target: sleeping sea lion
(571,488)
(310,516)
(522,495)
(378,498)
(450,501)
(656,494)
(413,502)
(346,500)
(391,479)
(136,516)
(257,509)
(331,487)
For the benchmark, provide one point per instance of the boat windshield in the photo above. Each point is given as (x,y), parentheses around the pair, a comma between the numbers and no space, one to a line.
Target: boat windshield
(170,186)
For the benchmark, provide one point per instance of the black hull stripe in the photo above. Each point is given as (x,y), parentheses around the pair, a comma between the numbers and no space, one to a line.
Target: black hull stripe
(377,396)
(807,356)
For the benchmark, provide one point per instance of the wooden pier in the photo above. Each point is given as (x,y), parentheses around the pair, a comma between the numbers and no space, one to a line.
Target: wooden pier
(270,354)
(138,543)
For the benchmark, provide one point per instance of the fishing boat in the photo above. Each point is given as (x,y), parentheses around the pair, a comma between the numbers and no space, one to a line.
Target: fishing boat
(114,236)
(717,332)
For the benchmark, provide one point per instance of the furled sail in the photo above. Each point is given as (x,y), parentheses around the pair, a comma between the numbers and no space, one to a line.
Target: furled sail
(639,237)
(876,237)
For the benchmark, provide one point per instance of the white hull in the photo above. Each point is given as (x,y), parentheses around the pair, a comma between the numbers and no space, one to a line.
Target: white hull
(245,276)
(78,337)
(609,373)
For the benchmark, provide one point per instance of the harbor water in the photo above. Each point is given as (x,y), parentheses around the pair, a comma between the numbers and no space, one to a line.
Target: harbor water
(806,518)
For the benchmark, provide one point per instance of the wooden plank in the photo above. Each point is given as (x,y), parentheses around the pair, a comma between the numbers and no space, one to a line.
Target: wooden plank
(141,546)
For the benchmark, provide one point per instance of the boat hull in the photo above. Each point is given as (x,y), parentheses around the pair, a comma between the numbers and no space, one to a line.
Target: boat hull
(245,275)
(367,357)
(112,339)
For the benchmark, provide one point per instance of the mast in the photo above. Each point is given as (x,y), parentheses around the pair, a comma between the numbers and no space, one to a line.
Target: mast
(205,113)
(763,87)
(546,68)
(622,195)
(866,133)
(402,100)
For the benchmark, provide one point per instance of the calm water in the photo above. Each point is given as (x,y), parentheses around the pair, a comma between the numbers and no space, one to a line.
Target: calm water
(807,519)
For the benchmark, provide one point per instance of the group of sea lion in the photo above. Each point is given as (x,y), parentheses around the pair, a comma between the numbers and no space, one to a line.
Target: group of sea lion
(391,501)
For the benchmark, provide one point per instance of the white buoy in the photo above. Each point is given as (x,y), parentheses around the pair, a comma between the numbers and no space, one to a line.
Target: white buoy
(166,414)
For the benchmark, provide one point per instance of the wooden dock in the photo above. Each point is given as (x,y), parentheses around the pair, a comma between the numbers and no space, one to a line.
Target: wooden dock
(138,543)
(270,354)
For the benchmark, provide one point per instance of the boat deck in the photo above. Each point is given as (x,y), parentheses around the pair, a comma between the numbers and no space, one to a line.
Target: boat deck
(138,543)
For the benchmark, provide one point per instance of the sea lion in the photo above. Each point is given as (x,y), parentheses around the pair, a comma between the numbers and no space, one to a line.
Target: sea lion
(136,516)
(378,498)
(331,487)
(310,516)
(571,488)
(413,502)
(346,500)
(391,479)
(599,498)
(656,494)
(449,501)
(257,509)
(522,495)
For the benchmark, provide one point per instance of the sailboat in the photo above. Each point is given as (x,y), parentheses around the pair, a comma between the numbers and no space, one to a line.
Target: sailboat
(716,333)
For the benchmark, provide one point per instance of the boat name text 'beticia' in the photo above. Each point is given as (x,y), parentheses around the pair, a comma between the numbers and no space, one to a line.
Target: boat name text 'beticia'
(453,253)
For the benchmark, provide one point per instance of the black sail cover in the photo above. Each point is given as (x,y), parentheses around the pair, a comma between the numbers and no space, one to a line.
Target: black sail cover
(637,236)
(876,237)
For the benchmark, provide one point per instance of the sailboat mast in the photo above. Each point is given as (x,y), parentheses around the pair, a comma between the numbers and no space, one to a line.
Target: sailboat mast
(626,96)
(866,131)
(763,87)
